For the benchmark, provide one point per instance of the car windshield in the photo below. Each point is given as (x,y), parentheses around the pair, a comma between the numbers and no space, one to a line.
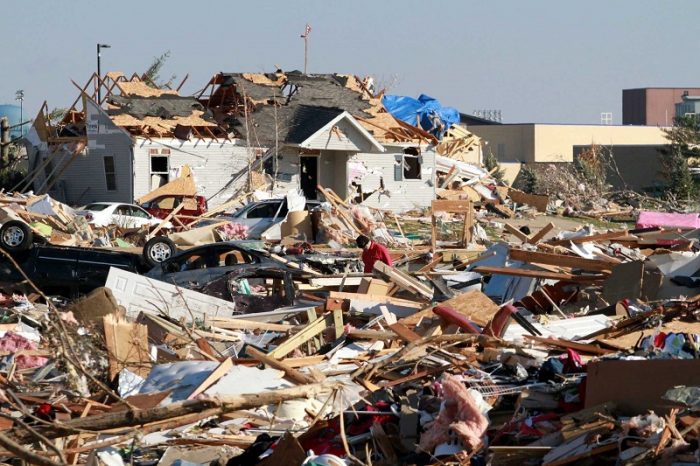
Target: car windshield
(96,207)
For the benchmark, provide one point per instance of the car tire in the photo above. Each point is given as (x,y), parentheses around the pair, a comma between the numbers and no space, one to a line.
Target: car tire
(16,236)
(158,249)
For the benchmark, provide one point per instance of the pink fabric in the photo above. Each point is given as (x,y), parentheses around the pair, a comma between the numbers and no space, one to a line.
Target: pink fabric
(649,219)
(13,342)
(460,413)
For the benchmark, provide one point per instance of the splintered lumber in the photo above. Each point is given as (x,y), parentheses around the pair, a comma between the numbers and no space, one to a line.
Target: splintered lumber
(375,298)
(216,405)
(290,373)
(241,324)
(580,347)
(561,260)
(403,280)
(538,274)
(306,334)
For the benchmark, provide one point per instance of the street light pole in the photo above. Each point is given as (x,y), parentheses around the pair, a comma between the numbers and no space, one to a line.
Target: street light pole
(19,95)
(99,72)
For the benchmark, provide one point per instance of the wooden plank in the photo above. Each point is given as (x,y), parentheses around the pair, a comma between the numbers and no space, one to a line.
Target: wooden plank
(290,373)
(561,260)
(517,233)
(404,332)
(375,298)
(306,334)
(537,201)
(474,305)
(580,347)
(220,371)
(537,237)
(167,219)
(596,237)
(240,324)
(453,206)
(538,274)
(403,280)
(127,346)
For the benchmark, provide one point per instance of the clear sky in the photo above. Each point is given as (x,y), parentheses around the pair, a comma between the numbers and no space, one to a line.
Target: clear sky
(549,61)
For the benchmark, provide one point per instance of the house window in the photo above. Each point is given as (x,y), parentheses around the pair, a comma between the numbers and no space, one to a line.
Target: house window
(159,164)
(110,173)
(408,165)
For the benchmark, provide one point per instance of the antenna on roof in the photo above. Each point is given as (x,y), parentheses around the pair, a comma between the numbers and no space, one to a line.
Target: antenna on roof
(305,36)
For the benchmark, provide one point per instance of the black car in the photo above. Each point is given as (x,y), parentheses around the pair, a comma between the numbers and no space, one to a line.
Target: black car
(202,264)
(68,270)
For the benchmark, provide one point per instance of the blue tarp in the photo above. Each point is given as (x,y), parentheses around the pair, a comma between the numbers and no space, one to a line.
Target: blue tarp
(434,118)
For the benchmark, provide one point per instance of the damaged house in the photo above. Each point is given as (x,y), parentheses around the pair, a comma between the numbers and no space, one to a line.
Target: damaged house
(241,132)
(134,142)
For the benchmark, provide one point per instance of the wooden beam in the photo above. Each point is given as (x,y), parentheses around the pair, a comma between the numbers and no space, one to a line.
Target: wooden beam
(538,274)
(517,233)
(290,373)
(596,237)
(537,237)
(561,260)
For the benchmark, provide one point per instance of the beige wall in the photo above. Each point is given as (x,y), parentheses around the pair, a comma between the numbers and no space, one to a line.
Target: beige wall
(531,143)
(555,143)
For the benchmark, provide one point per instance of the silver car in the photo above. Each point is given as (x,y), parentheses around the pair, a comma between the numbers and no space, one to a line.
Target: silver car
(261,216)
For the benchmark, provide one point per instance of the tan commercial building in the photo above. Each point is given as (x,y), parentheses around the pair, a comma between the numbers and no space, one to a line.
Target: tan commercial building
(635,148)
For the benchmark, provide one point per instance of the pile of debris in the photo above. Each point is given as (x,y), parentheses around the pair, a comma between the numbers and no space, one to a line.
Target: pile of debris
(532,349)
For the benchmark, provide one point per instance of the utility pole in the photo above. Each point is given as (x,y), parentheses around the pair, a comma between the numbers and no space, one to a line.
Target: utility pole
(305,36)
(99,72)
(19,95)
(4,141)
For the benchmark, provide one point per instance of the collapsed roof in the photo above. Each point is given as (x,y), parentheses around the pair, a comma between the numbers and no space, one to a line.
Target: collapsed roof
(288,106)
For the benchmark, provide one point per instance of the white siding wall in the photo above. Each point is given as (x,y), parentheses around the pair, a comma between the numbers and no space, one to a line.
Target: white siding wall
(214,165)
(403,195)
(84,180)
(347,138)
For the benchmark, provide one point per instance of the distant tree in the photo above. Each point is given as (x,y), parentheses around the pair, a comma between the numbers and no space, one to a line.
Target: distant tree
(152,75)
(684,146)
(491,162)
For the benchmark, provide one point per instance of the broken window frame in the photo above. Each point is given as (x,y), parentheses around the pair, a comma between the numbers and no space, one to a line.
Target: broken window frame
(110,173)
(404,172)
(159,172)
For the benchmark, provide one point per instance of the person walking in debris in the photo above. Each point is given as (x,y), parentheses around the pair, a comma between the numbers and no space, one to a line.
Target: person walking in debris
(372,252)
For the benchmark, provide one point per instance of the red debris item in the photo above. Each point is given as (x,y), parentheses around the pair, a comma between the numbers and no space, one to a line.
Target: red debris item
(498,324)
(454,317)
(45,411)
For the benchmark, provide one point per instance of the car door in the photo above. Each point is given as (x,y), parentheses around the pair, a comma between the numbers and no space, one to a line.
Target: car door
(122,216)
(54,268)
(260,217)
(140,217)
(94,264)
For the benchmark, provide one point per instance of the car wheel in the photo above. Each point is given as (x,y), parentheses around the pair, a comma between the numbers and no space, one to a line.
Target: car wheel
(158,249)
(16,236)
